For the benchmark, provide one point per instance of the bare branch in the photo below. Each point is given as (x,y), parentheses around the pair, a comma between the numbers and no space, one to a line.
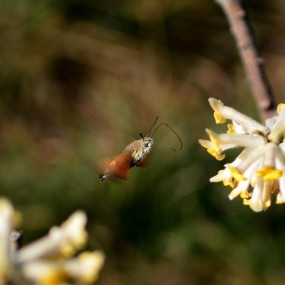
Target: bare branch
(253,64)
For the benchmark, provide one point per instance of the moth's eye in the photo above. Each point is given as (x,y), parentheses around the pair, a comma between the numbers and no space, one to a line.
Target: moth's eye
(146,144)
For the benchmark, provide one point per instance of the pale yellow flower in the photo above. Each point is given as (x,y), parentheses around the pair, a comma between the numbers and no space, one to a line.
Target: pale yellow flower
(61,241)
(257,174)
(7,213)
(83,269)
(47,261)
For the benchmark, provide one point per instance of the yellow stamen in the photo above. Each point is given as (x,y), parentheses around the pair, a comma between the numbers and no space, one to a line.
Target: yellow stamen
(70,247)
(220,119)
(245,195)
(215,150)
(213,145)
(280,107)
(245,202)
(92,263)
(269,173)
(231,129)
(228,179)
(236,174)
(56,276)
(229,182)
(216,154)
(212,148)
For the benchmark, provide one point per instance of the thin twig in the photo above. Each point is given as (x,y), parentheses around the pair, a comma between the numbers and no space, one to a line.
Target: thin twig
(253,64)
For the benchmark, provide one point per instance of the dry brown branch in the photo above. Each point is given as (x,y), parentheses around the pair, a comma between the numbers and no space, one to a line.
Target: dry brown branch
(253,64)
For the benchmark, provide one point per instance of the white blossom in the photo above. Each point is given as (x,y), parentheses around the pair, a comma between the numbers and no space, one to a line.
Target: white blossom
(257,173)
(48,260)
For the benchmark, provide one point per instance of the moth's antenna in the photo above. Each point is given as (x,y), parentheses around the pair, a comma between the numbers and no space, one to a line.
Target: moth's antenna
(141,135)
(153,124)
(164,124)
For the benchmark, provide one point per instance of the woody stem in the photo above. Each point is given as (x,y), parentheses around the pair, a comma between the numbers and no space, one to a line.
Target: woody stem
(253,64)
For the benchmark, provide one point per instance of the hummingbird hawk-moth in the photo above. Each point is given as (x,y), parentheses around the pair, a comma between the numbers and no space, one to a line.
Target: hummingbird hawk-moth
(134,154)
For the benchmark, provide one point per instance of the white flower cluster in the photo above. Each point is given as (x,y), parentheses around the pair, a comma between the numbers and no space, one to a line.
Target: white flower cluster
(257,174)
(48,260)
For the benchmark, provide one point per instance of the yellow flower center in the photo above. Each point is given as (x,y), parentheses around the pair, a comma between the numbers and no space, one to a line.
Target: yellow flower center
(269,173)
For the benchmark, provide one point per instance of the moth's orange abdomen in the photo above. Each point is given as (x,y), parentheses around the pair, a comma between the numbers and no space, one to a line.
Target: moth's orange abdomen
(117,168)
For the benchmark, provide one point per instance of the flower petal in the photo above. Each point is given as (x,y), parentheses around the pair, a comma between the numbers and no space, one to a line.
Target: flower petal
(222,111)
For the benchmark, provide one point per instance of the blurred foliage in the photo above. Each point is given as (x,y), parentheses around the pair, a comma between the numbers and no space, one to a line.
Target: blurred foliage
(80,79)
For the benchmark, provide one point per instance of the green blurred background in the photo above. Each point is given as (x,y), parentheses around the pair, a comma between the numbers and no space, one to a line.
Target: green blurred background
(79,79)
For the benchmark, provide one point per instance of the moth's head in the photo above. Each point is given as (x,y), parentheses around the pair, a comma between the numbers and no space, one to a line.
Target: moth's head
(141,148)
(147,143)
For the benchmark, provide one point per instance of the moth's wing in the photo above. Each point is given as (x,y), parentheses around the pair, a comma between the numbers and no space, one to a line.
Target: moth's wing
(119,167)
(144,163)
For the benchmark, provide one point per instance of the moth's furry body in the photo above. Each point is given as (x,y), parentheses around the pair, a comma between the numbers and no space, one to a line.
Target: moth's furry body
(139,149)
(133,155)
